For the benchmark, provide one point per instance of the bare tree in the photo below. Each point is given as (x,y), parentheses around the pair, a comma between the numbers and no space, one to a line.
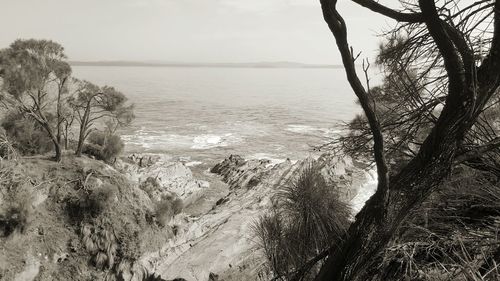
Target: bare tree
(446,45)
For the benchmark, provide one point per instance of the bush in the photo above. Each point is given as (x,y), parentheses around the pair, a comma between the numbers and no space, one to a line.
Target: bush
(27,136)
(100,241)
(82,205)
(14,219)
(16,211)
(7,149)
(168,207)
(307,218)
(453,235)
(104,147)
(150,185)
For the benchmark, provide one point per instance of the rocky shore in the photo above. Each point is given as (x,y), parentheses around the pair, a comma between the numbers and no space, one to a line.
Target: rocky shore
(218,239)
(205,233)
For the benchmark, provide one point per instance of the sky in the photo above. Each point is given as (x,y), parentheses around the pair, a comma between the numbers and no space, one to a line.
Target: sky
(190,30)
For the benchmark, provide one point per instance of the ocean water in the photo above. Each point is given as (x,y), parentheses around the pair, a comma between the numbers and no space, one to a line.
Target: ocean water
(205,114)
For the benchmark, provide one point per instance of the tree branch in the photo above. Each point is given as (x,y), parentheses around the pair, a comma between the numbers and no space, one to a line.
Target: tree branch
(337,26)
(452,62)
(388,12)
(478,151)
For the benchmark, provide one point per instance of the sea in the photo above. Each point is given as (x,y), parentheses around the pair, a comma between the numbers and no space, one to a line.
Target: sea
(204,114)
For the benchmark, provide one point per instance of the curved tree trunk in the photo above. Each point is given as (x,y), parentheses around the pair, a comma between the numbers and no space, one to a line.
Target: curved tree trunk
(57,145)
(385,211)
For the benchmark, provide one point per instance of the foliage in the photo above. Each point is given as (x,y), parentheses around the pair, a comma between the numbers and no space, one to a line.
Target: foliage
(16,210)
(149,186)
(104,147)
(307,218)
(103,106)
(100,241)
(14,219)
(83,206)
(35,79)
(166,208)
(452,48)
(7,149)
(32,72)
(452,236)
(26,135)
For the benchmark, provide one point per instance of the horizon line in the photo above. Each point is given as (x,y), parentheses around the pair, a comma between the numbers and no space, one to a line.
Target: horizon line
(263,64)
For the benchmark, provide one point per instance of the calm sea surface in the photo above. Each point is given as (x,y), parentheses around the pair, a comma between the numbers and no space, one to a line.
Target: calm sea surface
(206,114)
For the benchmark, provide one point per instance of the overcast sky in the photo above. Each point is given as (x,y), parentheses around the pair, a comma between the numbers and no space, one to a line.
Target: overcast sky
(189,30)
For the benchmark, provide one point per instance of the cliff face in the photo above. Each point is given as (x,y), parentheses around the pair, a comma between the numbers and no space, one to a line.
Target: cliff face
(221,241)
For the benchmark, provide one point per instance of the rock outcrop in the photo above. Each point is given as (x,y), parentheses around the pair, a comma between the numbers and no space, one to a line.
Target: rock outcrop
(169,176)
(339,172)
(211,239)
(220,241)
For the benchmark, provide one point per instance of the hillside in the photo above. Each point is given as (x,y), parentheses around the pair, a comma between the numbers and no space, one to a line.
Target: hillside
(75,220)
(82,219)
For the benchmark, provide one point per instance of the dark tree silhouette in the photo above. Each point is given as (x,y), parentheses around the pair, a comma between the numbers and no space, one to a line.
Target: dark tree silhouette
(456,48)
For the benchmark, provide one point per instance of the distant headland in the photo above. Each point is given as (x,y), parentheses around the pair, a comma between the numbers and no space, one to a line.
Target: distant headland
(279,64)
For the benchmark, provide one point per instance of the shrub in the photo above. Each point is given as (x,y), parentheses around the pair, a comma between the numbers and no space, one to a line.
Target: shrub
(92,150)
(453,235)
(16,211)
(14,219)
(27,137)
(7,149)
(113,147)
(100,199)
(100,241)
(104,147)
(177,205)
(168,207)
(83,205)
(150,185)
(307,218)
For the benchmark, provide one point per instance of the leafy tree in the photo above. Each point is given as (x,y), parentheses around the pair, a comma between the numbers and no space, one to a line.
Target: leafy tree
(454,51)
(93,104)
(32,72)
(26,135)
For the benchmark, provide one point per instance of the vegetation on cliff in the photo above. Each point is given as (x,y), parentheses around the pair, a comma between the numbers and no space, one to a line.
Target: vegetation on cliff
(79,219)
(40,102)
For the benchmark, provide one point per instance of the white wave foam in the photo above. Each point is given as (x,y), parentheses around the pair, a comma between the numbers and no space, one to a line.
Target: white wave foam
(153,140)
(193,163)
(157,141)
(310,130)
(210,141)
(365,191)
(271,157)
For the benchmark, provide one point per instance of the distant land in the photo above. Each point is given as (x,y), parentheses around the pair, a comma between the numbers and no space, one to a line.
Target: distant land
(224,65)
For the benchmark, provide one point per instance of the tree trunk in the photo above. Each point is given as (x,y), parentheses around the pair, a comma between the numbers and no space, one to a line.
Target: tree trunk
(83,130)
(373,230)
(59,117)
(385,211)
(57,146)
(81,140)
(66,137)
